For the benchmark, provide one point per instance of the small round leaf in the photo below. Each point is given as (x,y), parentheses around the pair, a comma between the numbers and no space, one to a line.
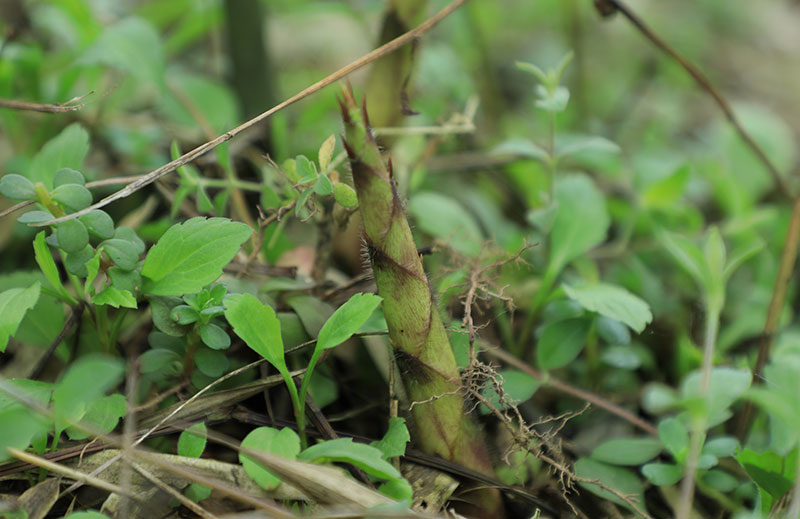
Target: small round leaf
(122,252)
(72,196)
(212,363)
(99,224)
(345,195)
(68,176)
(184,314)
(75,262)
(35,217)
(72,236)
(214,337)
(17,187)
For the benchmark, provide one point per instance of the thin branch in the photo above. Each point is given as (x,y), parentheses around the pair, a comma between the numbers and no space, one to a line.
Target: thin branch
(343,72)
(785,270)
(609,7)
(72,105)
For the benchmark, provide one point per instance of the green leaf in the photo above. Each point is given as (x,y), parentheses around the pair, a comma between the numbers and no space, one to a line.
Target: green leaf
(367,458)
(621,480)
(17,187)
(346,320)
(627,451)
(88,514)
(14,304)
(114,297)
(197,492)
(86,380)
(160,361)
(211,363)
(687,255)
(727,385)
(613,302)
(284,443)
(444,218)
(585,144)
(68,176)
(161,309)
(214,337)
(741,255)
(326,152)
(675,437)
(518,387)
(394,442)
(345,195)
(561,342)
(45,261)
(553,101)
(66,150)
(77,262)
(131,45)
(18,426)
(191,255)
(715,253)
(184,314)
(192,441)
(612,331)
(35,217)
(721,446)
(662,474)
(72,236)
(720,480)
(781,393)
(306,169)
(765,469)
(258,327)
(581,222)
(532,69)
(99,224)
(72,196)
(122,252)
(665,193)
(397,489)
(103,415)
(92,268)
(522,148)
(323,186)
(312,311)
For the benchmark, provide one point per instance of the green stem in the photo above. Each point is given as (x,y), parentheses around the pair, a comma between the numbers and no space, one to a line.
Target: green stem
(713,310)
(298,405)
(103,327)
(301,398)
(541,296)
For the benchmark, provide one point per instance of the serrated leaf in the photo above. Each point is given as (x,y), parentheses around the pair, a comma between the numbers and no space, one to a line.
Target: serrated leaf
(561,342)
(326,152)
(191,255)
(258,327)
(613,302)
(367,458)
(14,304)
(65,150)
(192,441)
(347,319)
(111,296)
(581,222)
(17,187)
(284,443)
(627,451)
(764,468)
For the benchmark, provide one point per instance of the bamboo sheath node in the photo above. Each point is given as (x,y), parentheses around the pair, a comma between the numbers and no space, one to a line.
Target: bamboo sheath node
(427,365)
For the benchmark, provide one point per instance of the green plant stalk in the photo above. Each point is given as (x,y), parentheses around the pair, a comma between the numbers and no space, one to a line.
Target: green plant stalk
(416,331)
(713,309)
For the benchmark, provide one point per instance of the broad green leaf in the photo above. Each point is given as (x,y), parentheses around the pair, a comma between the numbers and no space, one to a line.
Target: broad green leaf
(367,458)
(284,443)
(102,415)
(191,255)
(627,451)
(662,474)
(613,302)
(581,222)
(721,446)
(561,342)
(522,148)
(258,327)
(720,480)
(394,442)
(675,437)
(397,489)
(780,394)
(323,186)
(17,187)
(212,363)
(114,297)
(88,514)
(766,470)
(43,257)
(131,45)
(346,320)
(312,311)
(160,361)
(14,304)
(86,380)
(197,492)
(665,193)
(18,426)
(727,385)
(192,441)
(13,391)
(621,480)
(444,218)
(326,152)
(612,331)
(65,150)
(345,195)
(211,98)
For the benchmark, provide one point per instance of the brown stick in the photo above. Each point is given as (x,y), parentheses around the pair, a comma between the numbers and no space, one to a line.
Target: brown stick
(607,7)
(70,106)
(316,87)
